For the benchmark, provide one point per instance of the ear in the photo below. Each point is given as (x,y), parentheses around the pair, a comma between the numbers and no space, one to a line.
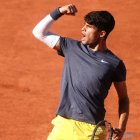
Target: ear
(102,33)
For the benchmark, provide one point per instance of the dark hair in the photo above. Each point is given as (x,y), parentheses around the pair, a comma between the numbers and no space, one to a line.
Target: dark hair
(103,20)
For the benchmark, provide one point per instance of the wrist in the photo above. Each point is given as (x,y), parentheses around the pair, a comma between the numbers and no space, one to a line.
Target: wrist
(55,14)
(122,129)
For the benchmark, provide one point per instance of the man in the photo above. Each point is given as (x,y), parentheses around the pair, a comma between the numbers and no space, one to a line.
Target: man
(89,70)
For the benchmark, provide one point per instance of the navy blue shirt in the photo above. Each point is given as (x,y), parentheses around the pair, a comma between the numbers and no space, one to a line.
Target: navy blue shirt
(86,79)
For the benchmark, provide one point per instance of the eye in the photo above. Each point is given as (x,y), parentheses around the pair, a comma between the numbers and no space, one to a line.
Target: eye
(89,26)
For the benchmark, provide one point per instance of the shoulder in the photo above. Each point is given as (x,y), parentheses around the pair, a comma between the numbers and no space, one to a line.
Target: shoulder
(69,43)
(119,68)
(114,59)
(68,40)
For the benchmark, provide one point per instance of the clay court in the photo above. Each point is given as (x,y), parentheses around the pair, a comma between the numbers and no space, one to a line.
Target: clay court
(30,72)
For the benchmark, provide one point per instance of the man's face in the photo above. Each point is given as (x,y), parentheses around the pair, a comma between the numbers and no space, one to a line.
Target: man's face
(90,35)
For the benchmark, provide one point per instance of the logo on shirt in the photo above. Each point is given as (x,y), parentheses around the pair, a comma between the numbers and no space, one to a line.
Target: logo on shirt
(103,61)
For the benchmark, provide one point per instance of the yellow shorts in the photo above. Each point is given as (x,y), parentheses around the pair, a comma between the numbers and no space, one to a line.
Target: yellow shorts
(68,129)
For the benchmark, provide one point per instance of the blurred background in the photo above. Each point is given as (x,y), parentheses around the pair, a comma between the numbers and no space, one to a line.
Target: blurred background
(30,72)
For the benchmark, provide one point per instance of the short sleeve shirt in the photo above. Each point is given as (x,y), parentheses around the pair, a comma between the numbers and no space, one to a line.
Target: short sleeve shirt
(86,79)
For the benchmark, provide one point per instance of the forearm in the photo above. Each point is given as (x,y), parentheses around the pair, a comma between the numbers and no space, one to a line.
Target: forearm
(41,30)
(43,26)
(123,113)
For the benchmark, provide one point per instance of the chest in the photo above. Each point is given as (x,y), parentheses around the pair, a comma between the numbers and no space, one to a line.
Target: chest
(83,67)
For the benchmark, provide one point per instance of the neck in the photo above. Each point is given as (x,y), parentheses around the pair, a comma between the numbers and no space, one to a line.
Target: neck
(101,46)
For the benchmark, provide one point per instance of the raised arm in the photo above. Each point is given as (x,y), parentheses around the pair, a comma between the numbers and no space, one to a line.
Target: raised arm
(41,30)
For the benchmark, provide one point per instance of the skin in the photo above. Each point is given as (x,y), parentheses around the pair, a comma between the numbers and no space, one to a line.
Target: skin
(95,39)
(121,89)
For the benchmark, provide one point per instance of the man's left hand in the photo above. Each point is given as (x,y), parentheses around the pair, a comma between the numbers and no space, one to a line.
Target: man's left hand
(118,134)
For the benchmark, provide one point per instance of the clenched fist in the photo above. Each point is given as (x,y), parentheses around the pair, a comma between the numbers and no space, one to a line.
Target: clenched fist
(68,9)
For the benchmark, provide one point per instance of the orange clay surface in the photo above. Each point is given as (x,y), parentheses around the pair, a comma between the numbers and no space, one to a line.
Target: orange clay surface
(30,72)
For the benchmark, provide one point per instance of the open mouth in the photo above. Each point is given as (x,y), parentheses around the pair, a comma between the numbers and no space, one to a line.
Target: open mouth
(83,35)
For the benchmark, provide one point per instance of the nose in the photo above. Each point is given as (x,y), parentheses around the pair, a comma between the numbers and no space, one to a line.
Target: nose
(83,28)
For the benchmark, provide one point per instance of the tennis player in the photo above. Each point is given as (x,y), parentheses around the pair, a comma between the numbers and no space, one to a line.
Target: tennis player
(89,70)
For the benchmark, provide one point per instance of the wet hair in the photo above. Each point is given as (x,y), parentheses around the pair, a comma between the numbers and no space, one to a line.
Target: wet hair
(103,20)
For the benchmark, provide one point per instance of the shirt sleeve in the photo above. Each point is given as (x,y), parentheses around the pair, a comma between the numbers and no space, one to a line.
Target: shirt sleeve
(67,46)
(63,46)
(120,73)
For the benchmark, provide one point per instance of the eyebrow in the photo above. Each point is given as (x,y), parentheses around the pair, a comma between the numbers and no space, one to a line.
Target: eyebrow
(91,26)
